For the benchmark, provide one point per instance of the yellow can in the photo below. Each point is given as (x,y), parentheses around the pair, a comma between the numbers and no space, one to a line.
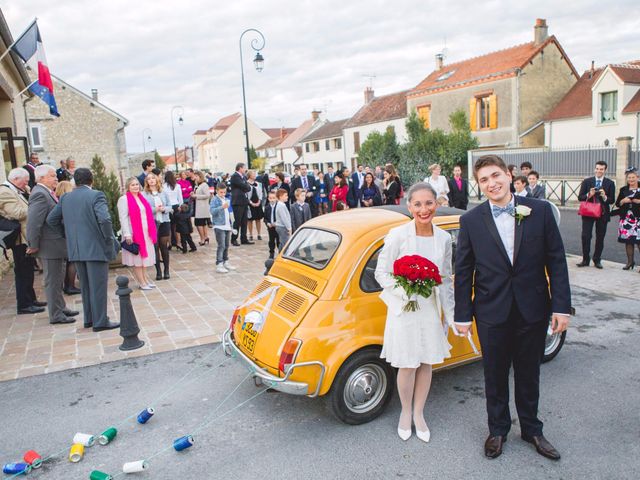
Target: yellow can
(76,453)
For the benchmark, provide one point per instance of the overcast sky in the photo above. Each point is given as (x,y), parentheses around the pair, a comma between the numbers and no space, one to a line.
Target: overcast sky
(145,57)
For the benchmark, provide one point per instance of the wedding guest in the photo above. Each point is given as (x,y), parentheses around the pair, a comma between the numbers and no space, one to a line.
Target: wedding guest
(307,182)
(186,187)
(30,166)
(202,197)
(414,341)
(628,202)
(391,185)
(300,211)
(525,168)
(256,214)
(270,221)
(185,228)
(283,218)
(322,194)
(438,182)
(339,193)
(174,192)
(458,190)
(357,177)
(69,283)
(369,193)
(535,190)
(147,167)
(160,207)
(62,173)
(281,183)
(138,227)
(222,228)
(512,173)
(520,186)
(352,193)
(240,205)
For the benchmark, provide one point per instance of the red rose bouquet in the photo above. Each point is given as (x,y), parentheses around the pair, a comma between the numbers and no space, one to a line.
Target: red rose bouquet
(416,276)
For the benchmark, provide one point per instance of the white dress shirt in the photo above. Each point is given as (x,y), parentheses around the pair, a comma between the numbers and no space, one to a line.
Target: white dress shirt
(506,225)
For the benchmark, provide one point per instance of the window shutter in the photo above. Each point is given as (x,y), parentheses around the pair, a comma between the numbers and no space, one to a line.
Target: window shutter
(473,114)
(493,111)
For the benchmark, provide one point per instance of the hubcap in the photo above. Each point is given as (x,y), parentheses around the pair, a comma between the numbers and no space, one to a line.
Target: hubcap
(551,343)
(365,388)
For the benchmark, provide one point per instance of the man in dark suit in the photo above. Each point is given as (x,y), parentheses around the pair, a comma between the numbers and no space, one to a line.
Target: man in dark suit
(240,205)
(358,177)
(307,182)
(30,167)
(329,180)
(505,246)
(458,190)
(352,193)
(597,189)
(82,216)
(534,189)
(147,167)
(47,243)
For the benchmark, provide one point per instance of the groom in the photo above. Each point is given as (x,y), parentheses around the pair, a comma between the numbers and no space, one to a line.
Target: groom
(505,254)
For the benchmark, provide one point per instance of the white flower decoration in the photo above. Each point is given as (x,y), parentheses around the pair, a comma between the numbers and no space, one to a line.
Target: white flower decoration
(522,212)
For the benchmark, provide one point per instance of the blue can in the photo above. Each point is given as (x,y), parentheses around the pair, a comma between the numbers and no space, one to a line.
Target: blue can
(183,443)
(145,415)
(15,468)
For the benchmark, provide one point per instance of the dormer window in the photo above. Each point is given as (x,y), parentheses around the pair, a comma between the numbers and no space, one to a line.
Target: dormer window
(608,107)
(445,75)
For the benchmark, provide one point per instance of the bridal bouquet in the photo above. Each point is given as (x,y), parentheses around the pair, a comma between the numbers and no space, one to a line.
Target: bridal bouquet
(416,276)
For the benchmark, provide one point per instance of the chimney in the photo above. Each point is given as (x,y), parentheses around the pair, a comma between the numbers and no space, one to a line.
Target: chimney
(315,115)
(439,61)
(593,68)
(94,94)
(283,132)
(540,31)
(368,95)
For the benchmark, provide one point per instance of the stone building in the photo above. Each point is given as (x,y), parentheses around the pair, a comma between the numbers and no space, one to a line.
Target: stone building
(506,94)
(85,128)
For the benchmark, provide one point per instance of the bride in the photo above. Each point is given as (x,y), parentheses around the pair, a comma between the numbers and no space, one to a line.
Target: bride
(414,341)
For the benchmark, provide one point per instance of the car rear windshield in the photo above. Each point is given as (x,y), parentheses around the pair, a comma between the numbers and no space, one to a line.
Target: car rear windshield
(313,247)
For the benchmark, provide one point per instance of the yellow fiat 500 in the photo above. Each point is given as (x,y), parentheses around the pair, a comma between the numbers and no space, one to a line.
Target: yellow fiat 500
(314,326)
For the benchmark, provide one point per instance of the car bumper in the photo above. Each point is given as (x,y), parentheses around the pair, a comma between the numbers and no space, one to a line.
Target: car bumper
(281,384)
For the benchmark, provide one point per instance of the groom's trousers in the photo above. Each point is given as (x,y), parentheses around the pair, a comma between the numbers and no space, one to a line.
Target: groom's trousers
(522,345)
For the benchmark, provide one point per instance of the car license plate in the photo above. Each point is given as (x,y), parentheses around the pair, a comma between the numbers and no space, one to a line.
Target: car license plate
(249,337)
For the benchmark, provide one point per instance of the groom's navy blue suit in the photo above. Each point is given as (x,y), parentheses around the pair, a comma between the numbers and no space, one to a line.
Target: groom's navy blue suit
(512,303)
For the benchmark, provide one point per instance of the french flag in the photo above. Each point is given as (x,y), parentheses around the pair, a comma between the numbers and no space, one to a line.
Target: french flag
(28,46)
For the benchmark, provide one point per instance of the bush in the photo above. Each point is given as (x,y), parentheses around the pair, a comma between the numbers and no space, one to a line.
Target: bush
(110,186)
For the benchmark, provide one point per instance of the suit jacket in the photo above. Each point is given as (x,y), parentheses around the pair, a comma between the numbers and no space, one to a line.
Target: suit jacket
(537,192)
(329,180)
(311,184)
(14,206)
(609,188)
(299,215)
(458,198)
(623,209)
(487,283)
(239,188)
(356,180)
(82,216)
(48,240)
(352,195)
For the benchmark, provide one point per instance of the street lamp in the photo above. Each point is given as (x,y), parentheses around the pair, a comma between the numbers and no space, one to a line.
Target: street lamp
(173,130)
(145,139)
(257,44)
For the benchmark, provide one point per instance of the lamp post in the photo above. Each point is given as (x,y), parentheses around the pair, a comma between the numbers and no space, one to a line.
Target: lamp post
(257,44)
(146,138)
(173,130)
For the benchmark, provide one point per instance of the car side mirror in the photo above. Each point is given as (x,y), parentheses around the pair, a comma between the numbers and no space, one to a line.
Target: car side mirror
(267,265)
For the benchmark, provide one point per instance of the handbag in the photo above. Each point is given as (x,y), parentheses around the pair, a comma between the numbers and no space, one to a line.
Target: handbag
(132,247)
(590,209)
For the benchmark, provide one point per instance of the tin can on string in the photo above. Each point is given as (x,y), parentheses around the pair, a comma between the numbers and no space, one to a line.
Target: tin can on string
(98,475)
(16,468)
(145,415)
(183,443)
(85,439)
(76,452)
(108,435)
(134,467)
(33,458)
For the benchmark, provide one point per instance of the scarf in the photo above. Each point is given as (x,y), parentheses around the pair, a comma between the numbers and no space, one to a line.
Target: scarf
(136,223)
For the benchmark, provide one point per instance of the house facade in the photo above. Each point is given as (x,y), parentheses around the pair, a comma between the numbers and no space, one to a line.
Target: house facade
(269,149)
(324,146)
(289,152)
(505,94)
(378,114)
(602,106)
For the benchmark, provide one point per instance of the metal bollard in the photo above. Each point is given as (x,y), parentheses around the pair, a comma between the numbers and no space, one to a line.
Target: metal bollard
(129,328)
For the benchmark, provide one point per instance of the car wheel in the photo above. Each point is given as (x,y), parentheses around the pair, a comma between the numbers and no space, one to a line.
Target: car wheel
(362,388)
(552,345)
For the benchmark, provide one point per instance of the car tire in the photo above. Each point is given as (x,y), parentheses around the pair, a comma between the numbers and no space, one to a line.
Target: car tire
(362,388)
(552,345)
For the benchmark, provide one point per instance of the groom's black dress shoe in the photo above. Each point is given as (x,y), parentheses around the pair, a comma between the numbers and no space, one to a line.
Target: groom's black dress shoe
(582,264)
(597,264)
(493,446)
(543,447)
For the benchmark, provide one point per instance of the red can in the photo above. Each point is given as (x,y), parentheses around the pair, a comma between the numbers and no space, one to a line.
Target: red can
(33,458)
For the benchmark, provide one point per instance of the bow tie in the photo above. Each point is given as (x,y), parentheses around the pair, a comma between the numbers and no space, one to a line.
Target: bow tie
(497,211)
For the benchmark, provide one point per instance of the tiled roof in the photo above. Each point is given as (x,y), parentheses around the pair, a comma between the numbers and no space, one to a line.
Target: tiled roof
(171,159)
(295,136)
(277,132)
(271,143)
(200,132)
(489,67)
(328,130)
(628,73)
(634,104)
(380,109)
(226,122)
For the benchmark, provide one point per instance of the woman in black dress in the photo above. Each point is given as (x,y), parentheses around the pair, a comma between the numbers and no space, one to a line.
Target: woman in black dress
(391,184)
(628,202)
(256,212)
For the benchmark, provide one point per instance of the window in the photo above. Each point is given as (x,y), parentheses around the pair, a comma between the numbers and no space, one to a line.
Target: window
(313,247)
(484,109)
(327,145)
(337,144)
(306,147)
(445,75)
(356,142)
(36,136)
(608,107)
(424,113)
(483,112)
(315,146)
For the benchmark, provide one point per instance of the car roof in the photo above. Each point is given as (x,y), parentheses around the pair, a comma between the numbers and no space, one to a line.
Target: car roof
(441,212)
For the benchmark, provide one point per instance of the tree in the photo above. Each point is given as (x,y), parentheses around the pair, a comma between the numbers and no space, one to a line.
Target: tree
(110,186)
(252,156)
(159,161)
(379,149)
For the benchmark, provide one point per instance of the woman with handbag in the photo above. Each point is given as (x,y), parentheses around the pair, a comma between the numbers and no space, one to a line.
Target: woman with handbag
(138,232)
(160,206)
(628,203)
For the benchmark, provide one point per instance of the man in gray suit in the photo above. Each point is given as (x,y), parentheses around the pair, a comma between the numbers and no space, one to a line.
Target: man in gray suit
(47,243)
(90,245)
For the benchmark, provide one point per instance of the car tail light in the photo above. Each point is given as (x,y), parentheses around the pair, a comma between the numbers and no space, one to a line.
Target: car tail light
(236,316)
(289,353)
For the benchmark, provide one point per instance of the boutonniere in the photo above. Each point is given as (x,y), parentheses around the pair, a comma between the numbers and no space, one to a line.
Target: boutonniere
(522,212)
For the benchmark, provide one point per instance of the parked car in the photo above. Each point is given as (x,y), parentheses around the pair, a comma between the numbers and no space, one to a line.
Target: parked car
(315,325)
(273,180)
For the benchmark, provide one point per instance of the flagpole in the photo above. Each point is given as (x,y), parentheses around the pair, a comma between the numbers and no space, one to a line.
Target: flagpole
(28,87)
(17,40)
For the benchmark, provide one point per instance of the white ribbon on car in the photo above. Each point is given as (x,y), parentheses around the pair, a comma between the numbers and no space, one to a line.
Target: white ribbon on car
(255,317)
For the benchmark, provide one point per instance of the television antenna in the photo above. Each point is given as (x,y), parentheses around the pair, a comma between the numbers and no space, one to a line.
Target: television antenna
(370,76)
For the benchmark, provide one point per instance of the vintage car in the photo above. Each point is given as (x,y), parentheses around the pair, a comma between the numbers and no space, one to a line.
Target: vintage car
(314,326)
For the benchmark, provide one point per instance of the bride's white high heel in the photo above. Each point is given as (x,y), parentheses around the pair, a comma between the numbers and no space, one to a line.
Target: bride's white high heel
(404,434)
(424,436)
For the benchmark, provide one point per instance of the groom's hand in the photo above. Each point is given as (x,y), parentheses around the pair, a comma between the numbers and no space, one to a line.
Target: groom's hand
(462,329)
(559,323)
